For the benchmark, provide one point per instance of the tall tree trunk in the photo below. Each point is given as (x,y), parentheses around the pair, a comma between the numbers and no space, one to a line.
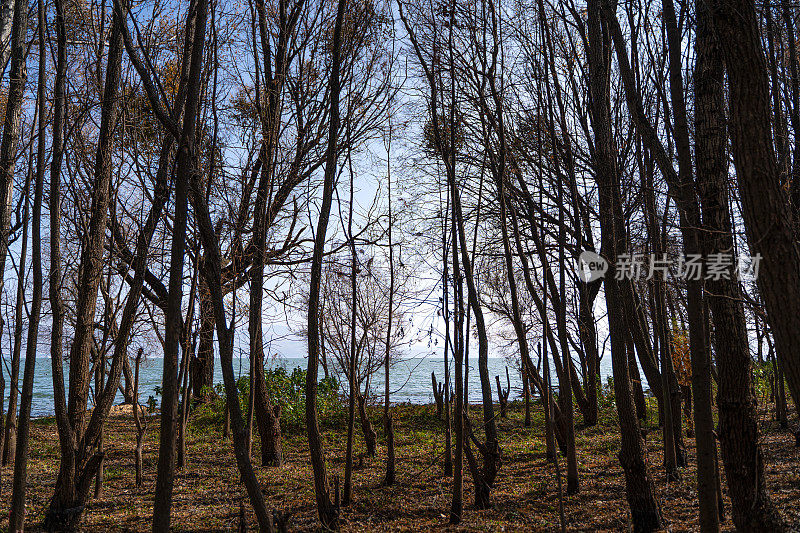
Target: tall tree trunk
(266,414)
(328,514)
(80,457)
(388,425)
(9,445)
(660,330)
(186,163)
(738,420)
(16,520)
(689,209)
(443,395)
(460,407)
(354,352)
(54,282)
(765,206)
(640,492)
(681,187)
(10,140)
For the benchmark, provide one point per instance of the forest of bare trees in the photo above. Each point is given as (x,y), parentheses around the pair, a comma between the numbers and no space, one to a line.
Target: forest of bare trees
(603,196)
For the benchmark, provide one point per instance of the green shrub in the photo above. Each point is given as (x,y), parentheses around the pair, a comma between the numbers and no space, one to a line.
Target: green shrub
(763,379)
(287,390)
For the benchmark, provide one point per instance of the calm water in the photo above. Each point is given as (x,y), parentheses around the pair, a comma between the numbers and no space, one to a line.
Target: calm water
(410,379)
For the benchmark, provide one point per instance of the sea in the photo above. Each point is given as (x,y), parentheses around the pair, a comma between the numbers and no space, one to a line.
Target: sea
(409,379)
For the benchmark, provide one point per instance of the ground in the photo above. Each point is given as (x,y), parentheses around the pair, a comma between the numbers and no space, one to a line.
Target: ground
(208,494)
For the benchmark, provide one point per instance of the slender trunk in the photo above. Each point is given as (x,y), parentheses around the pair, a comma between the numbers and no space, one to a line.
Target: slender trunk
(570,388)
(267,414)
(54,282)
(443,398)
(183,406)
(185,166)
(8,447)
(640,492)
(460,407)
(8,148)
(354,386)
(389,477)
(80,454)
(141,426)
(16,521)
(328,514)
(689,208)
(11,125)
(680,185)
(251,391)
(526,394)
(588,337)
(99,378)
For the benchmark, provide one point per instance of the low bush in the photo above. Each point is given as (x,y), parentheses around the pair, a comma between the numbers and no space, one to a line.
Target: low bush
(287,390)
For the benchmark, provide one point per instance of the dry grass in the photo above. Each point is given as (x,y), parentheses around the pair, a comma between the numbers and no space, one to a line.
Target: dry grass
(207,492)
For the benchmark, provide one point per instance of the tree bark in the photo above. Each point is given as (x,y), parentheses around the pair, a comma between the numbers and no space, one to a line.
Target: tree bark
(388,424)
(645,512)
(8,146)
(202,366)
(738,423)
(328,514)
(16,520)
(370,437)
(765,206)
(186,163)
(80,456)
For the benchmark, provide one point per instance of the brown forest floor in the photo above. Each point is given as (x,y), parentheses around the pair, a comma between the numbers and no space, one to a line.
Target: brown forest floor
(208,493)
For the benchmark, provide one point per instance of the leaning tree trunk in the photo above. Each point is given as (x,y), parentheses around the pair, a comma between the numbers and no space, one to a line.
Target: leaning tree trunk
(738,418)
(765,206)
(645,512)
